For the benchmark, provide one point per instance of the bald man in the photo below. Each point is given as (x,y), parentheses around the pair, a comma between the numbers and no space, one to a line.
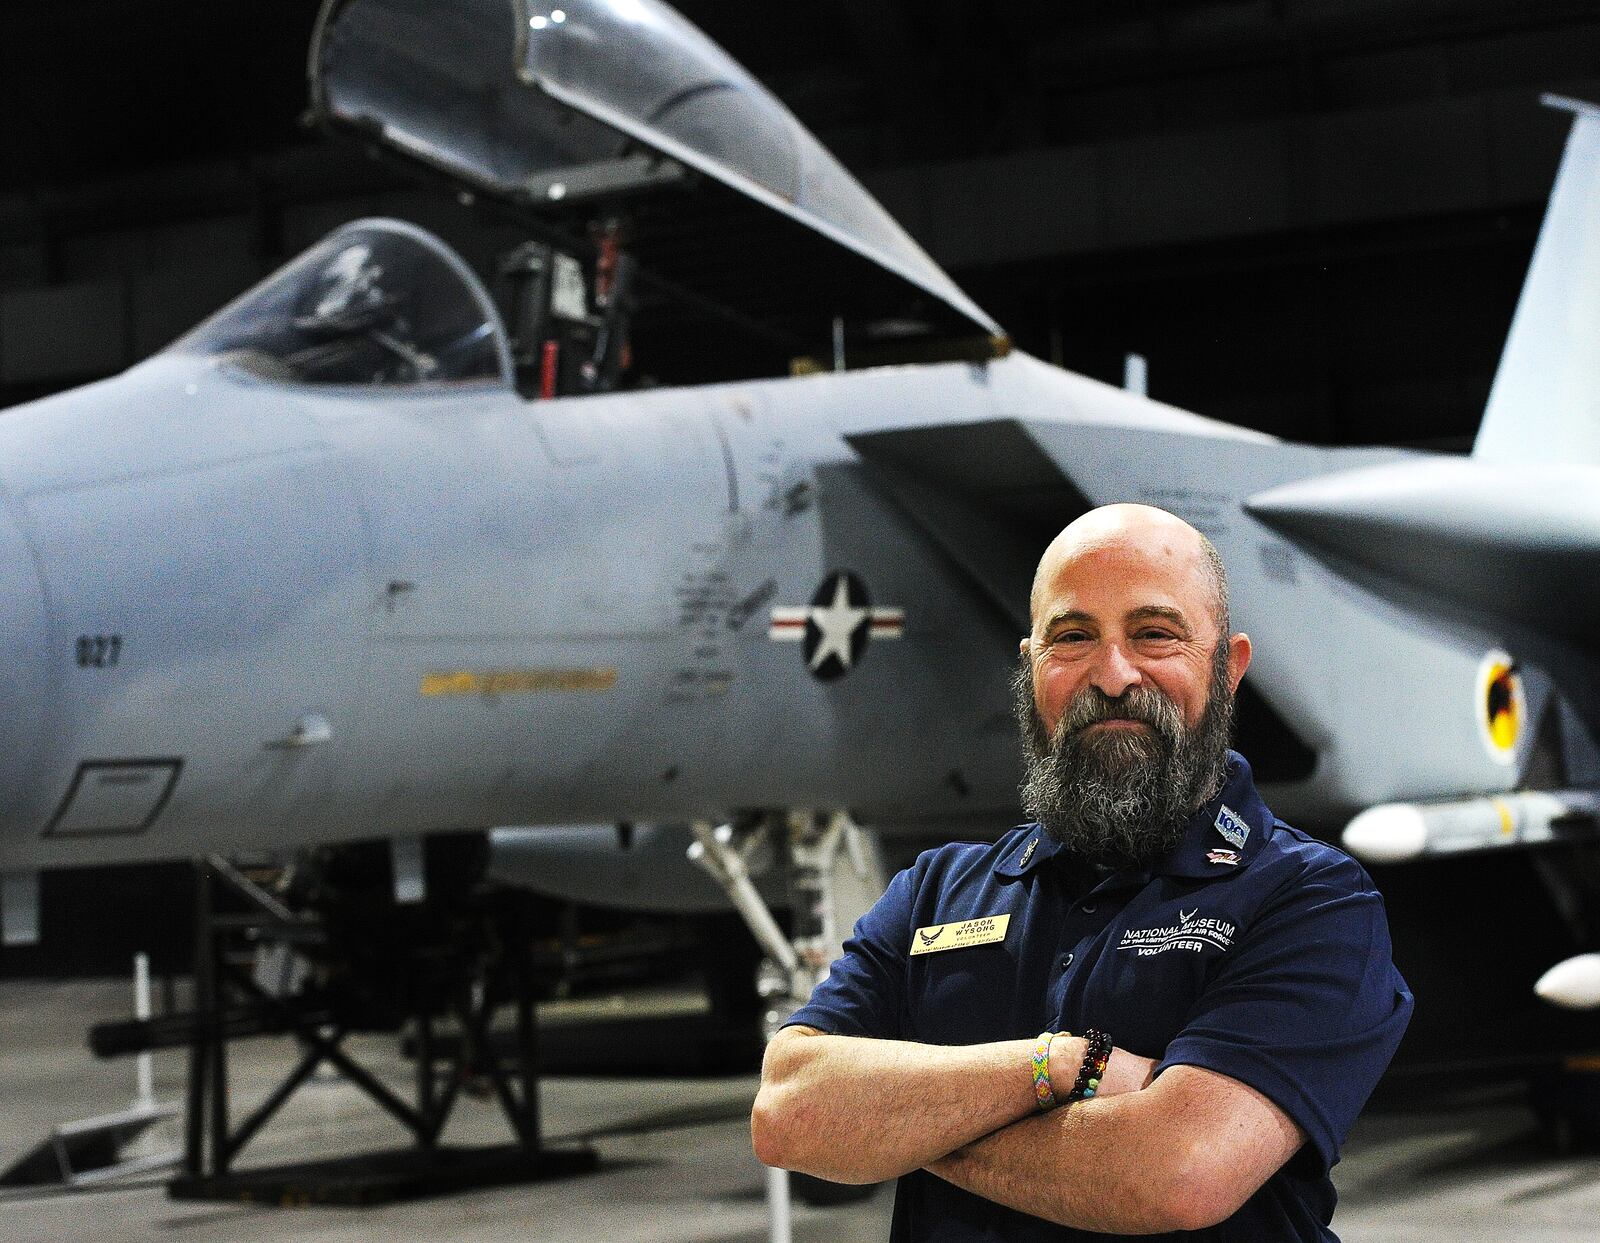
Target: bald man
(1155,1009)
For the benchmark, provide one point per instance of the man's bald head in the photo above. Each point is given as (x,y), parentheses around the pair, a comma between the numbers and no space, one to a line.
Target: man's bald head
(1155,532)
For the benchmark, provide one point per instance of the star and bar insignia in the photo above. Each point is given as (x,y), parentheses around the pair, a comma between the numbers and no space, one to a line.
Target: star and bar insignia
(836,626)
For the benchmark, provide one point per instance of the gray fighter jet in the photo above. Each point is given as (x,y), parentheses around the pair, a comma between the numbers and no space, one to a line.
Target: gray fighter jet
(349,560)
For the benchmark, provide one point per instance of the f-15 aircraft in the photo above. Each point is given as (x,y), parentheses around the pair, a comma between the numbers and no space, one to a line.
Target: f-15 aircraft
(357,558)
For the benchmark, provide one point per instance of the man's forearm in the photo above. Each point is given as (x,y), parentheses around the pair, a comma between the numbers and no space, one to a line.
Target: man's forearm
(1182,1156)
(858,1110)
(854,1109)
(1068,1166)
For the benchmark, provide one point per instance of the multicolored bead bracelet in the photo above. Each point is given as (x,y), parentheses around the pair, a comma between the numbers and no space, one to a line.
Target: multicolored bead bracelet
(1093,1068)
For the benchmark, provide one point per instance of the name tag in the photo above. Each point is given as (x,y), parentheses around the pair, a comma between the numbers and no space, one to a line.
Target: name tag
(984,931)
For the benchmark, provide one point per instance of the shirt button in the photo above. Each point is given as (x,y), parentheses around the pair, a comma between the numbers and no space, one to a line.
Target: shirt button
(1066,962)
(1088,908)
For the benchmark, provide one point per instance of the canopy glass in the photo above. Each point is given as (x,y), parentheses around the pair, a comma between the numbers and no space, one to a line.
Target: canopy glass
(376,302)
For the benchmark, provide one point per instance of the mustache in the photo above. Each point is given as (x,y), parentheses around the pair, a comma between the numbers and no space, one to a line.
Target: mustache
(1142,704)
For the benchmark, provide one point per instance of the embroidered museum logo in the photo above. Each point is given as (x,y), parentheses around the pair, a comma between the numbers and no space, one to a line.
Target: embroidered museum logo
(1191,933)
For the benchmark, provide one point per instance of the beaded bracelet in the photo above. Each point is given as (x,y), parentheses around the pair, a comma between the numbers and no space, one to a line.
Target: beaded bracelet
(1041,1072)
(1093,1068)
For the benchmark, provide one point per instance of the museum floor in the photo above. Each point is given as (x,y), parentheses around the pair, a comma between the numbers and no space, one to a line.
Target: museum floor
(675,1158)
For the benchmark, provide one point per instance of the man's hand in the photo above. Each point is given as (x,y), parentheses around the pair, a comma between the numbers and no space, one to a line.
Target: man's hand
(856,1110)
(1184,1154)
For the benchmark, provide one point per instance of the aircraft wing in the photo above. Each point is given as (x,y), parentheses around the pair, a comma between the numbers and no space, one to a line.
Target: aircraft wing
(1514,530)
(992,493)
(1520,541)
(987,493)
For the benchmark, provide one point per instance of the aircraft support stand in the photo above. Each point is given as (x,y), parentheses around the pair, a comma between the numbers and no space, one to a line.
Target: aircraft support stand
(469,983)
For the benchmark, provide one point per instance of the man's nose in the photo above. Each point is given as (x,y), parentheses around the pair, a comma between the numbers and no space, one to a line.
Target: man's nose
(1113,671)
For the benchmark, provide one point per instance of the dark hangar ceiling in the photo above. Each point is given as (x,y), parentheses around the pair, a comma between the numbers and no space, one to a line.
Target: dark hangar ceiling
(92,88)
(1311,214)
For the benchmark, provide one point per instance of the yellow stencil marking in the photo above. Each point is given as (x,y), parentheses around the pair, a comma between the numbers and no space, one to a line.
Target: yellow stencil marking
(517,681)
(984,931)
(1508,826)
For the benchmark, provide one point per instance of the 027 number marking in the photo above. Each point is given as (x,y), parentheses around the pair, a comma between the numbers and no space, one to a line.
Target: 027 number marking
(99,651)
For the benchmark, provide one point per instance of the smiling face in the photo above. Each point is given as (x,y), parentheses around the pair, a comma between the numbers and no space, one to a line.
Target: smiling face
(1126,597)
(1125,689)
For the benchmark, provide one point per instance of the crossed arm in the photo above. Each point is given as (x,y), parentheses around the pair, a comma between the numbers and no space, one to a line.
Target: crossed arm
(1180,1153)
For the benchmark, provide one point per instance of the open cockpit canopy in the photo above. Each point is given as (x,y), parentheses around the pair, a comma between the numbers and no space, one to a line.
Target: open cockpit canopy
(376,302)
(550,104)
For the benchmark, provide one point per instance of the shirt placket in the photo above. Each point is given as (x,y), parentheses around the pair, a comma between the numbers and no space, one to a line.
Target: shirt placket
(1085,922)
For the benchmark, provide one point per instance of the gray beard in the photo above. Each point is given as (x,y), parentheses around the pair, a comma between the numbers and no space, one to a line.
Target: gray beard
(1120,797)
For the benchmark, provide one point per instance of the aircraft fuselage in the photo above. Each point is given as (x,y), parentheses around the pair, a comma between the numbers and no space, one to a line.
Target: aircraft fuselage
(251,614)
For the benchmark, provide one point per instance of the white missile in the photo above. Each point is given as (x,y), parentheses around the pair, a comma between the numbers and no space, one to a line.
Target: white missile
(1396,832)
(1573,984)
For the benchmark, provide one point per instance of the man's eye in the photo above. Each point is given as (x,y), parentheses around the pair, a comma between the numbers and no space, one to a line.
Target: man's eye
(1156,634)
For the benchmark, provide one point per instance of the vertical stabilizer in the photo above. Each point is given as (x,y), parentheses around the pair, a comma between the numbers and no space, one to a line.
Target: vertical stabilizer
(1545,403)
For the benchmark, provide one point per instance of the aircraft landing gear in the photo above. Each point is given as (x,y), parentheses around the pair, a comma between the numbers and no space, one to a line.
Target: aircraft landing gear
(833,876)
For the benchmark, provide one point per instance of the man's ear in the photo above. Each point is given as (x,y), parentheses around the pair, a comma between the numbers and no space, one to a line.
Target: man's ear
(1238,659)
(1024,646)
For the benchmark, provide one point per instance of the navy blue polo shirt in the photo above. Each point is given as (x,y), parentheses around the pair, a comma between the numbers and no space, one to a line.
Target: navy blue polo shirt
(1250,949)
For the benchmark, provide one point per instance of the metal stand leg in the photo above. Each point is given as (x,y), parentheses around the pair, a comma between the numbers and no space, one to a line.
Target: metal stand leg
(479,948)
(200,1046)
(780,1212)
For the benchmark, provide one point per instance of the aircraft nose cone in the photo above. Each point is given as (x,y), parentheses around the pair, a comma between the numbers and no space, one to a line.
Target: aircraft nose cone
(26,703)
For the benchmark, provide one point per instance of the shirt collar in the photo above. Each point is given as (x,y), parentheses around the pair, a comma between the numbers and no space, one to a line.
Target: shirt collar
(1226,833)
(1219,839)
(1035,847)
